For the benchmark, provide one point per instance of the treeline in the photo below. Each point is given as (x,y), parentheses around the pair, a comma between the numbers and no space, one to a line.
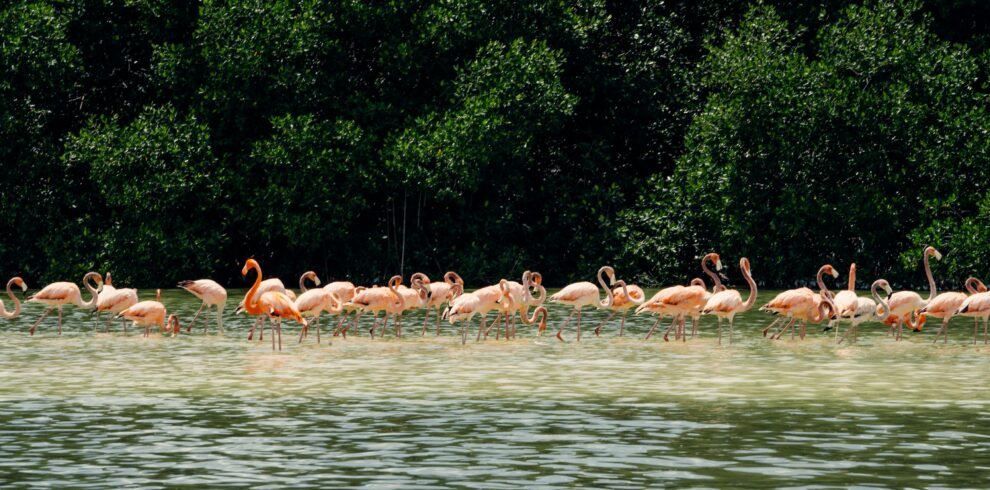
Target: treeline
(166,139)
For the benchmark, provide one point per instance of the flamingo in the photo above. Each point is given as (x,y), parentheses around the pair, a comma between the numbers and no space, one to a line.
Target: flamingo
(580,294)
(344,290)
(114,300)
(151,313)
(943,306)
(681,301)
(59,294)
(211,294)
(977,306)
(480,302)
(866,309)
(313,302)
(440,293)
(624,298)
(268,285)
(274,304)
(801,304)
(542,326)
(846,300)
(522,299)
(378,299)
(10,315)
(413,298)
(902,303)
(728,303)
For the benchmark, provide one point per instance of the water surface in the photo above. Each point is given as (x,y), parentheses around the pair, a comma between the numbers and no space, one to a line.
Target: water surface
(96,409)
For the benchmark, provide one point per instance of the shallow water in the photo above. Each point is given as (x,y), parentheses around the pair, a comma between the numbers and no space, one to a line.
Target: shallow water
(96,409)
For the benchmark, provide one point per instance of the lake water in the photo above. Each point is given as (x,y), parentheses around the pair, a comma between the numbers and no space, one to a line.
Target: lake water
(94,410)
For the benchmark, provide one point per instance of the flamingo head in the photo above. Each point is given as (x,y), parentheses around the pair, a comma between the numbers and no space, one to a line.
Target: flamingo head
(420,276)
(537,278)
(248,265)
(173,325)
(934,253)
(610,272)
(19,283)
(109,280)
(828,269)
(883,284)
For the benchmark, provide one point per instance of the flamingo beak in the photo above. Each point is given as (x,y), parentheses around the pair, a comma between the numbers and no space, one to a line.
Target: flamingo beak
(938,255)
(888,289)
(835,274)
(718,264)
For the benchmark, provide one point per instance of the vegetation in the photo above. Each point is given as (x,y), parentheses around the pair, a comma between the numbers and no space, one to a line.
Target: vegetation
(169,139)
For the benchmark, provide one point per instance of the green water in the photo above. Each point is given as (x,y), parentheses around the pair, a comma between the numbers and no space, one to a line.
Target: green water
(94,410)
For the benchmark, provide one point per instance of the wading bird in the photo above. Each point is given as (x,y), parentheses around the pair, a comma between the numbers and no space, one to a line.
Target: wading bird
(943,306)
(413,298)
(344,291)
(442,293)
(801,304)
(867,309)
(274,304)
(727,304)
(378,299)
(680,302)
(59,294)
(211,294)
(624,298)
(581,294)
(522,299)
(480,302)
(904,303)
(149,314)
(267,286)
(10,315)
(313,302)
(977,306)
(114,301)
(846,301)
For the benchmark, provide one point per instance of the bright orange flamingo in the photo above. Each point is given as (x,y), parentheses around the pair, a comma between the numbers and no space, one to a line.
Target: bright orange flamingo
(59,294)
(273,304)
(149,314)
(581,294)
(313,302)
(801,304)
(268,285)
(977,306)
(10,315)
(904,303)
(440,293)
(211,294)
(867,309)
(378,299)
(624,298)
(114,301)
(729,303)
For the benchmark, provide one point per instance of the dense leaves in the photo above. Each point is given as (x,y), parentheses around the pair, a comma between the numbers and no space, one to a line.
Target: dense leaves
(169,139)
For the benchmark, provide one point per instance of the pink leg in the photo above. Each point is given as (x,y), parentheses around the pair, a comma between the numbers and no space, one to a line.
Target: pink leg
(579,325)
(49,310)
(60,320)
(654,327)
(598,329)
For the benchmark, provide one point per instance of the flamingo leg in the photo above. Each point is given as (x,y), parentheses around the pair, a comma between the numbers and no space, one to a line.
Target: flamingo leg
(96,321)
(579,323)
(317,329)
(673,325)
(694,326)
(598,329)
(942,331)
(193,322)
(684,328)
(560,332)
(653,328)
(481,327)
(106,328)
(49,310)
(60,320)
(384,326)
(438,321)
(425,319)
(765,330)
(220,319)
(731,321)
(719,330)
(398,326)
(778,334)
(622,326)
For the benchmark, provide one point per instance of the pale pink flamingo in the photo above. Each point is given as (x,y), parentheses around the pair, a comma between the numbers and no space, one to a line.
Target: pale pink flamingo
(679,302)
(846,301)
(114,301)
(522,299)
(413,298)
(977,306)
(313,302)
(211,294)
(480,302)
(903,303)
(624,298)
(59,294)
(441,293)
(149,314)
(867,309)
(729,303)
(801,304)
(378,299)
(944,306)
(10,315)
(581,294)
(343,290)
(274,304)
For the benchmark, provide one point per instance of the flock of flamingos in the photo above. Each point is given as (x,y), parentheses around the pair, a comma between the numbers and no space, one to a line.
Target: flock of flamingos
(270,300)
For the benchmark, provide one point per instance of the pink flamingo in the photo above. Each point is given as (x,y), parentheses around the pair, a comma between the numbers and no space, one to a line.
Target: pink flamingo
(344,291)
(866,309)
(440,293)
(378,299)
(522,299)
(10,315)
(413,298)
(267,286)
(581,294)
(59,294)
(274,304)
(211,294)
(480,302)
(729,303)
(624,298)
(148,314)
(801,304)
(903,303)
(313,302)
(977,306)
(846,301)
(114,301)
(944,306)
(679,302)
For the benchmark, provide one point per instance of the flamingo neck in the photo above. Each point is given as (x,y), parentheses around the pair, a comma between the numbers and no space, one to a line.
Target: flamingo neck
(607,302)
(748,275)
(974,285)
(852,278)
(17,303)
(94,293)
(250,302)
(704,267)
(881,301)
(821,283)
(931,280)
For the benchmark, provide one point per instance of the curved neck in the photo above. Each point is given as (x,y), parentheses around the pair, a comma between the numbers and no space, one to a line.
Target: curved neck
(704,267)
(507,301)
(825,305)
(607,302)
(455,291)
(852,277)
(974,285)
(452,277)
(17,303)
(748,275)
(821,282)
(307,275)
(393,285)
(92,291)
(931,280)
(336,305)
(250,302)
(697,282)
(881,301)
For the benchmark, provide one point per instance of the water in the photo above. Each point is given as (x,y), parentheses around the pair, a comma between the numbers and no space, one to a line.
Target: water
(95,410)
